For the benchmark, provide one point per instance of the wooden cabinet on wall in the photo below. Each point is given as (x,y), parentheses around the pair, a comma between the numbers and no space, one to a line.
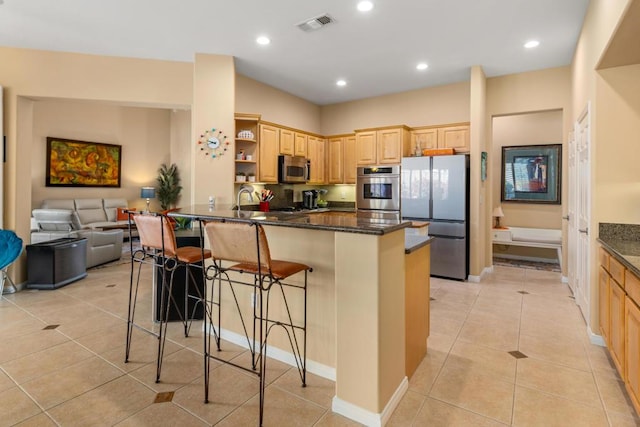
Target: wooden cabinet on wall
(268,159)
(350,161)
(382,145)
(335,160)
(300,144)
(247,142)
(287,142)
(454,136)
(316,156)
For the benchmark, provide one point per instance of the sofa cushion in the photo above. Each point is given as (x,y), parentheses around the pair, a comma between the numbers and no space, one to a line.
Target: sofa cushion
(111,205)
(54,219)
(58,204)
(122,215)
(89,211)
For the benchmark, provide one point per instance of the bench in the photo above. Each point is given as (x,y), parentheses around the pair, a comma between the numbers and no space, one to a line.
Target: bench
(530,237)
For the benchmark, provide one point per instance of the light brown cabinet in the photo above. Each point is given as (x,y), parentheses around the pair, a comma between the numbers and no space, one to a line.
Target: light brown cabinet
(350,161)
(335,156)
(382,145)
(300,145)
(247,142)
(632,351)
(603,311)
(286,142)
(454,136)
(617,326)
(316,156)
(268,159)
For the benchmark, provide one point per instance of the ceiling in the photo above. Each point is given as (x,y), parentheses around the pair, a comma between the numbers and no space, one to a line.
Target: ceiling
(375,52)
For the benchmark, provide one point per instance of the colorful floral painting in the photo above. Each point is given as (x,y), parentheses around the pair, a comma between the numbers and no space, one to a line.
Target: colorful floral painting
(78,164)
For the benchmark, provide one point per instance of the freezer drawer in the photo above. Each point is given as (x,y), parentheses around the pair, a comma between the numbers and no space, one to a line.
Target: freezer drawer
(448,229)
(448,257)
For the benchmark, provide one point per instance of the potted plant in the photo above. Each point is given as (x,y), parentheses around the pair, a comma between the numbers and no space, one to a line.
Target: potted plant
(251,177)
(168,186)
(182,223)
(241,177)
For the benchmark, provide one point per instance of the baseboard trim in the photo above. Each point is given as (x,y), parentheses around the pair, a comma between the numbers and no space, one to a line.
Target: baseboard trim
(478,279)
(527,258)
(313,367)
(565,279)
(595,338)
(369,418)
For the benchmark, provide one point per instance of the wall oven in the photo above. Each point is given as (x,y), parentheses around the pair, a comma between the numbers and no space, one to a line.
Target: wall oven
(378,188)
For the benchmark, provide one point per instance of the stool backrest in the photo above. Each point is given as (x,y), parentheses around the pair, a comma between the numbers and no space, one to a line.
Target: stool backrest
(238,242)
(152,229)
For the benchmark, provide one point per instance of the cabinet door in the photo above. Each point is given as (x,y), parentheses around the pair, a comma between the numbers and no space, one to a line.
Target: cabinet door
(300,145)
(335,165)
(603,304)
(286,142)
(315,154)
(632,357)
(616,331)
(350,163)
(389,146)
(424,139)
(454,137)
(366,148)
(268,147)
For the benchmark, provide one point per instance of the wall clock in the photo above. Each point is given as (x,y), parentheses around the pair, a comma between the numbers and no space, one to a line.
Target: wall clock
(213,143)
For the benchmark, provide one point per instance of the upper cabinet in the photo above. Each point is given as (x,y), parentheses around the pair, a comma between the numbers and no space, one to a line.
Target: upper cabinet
(300,144)
(382,145)
(454,136)
(341,159)
(287,142)
(350,161)
(316,156)
(269,145)
(247,142)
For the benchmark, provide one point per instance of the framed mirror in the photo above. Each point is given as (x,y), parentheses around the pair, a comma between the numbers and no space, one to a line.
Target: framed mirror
(531,173)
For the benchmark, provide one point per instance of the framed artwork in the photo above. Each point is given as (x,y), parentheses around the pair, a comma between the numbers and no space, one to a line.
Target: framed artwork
(483,166)
(82,164)
(531,173)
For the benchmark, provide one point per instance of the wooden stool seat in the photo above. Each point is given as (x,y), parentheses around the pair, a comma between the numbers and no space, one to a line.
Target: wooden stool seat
(279,269)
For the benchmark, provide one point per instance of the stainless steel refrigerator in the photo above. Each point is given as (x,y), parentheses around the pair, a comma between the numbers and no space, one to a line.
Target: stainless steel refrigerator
(436,189)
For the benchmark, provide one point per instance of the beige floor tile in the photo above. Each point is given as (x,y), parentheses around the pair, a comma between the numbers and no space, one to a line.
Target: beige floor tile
(558,380)
(440,342)
(104,405)
(444,326)
(565,352)
(228,389)
(498,335)
(331,419)
(614,395)
(94,320)
(437,413)
(5,382)
(12,313)
(621,420)
(407,409)
(318,390)
(46,361)
(30,343)
(178,370)
(275,368)
(534,408)
(162,415)
(472,388)
(281,409)
(497,363)
(28,325)
(64,384)
(40,420)
(425,375)
(16,406)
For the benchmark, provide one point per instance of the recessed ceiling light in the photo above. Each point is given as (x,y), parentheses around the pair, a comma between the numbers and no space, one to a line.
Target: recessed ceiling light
(422,66)
(263,40)
(341,82)
(531,44)
(365,6)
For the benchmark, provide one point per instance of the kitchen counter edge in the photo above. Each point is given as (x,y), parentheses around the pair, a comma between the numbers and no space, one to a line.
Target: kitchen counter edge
(625,251)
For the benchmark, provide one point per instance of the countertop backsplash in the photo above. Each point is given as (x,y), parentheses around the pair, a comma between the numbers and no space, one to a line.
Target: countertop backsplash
(611,231)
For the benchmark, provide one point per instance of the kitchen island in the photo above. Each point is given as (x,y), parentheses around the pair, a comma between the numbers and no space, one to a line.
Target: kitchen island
(356,301)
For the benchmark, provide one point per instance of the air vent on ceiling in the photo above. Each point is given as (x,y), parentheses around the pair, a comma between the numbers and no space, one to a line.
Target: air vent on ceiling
(316,23)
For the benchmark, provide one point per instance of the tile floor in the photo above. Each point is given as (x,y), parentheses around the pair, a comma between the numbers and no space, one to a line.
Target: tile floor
(511,350)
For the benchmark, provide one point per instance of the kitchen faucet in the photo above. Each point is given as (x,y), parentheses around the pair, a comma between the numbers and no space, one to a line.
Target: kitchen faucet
(244,189)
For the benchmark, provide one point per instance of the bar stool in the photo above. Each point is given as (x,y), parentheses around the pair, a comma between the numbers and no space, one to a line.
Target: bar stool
(245,244)
(160,250)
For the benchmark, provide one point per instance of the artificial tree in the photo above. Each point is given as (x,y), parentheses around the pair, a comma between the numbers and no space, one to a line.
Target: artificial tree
(168,186)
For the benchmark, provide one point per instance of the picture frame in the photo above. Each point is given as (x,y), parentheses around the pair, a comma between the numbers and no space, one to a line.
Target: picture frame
(72,163)
(531,174)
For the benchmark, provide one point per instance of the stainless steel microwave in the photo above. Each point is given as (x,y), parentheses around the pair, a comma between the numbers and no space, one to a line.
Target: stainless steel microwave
(293,170)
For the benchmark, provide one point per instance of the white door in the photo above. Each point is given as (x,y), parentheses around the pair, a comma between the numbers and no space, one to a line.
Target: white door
(3,150)
(572,223)
(583,214)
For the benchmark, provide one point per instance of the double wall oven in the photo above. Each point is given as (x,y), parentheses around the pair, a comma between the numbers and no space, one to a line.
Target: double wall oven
(378,191)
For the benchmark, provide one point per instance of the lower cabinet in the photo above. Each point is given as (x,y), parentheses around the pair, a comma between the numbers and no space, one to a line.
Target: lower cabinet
(604,315)
(632,351)
(616,329)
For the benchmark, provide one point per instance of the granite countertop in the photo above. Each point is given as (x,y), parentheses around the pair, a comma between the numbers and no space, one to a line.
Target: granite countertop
(623,242)
(334,221)
(413,242)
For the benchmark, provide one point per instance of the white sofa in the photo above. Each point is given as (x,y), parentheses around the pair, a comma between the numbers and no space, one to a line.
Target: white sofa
(82,218)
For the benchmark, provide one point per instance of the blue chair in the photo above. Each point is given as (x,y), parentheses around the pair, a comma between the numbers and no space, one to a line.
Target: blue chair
(10,250)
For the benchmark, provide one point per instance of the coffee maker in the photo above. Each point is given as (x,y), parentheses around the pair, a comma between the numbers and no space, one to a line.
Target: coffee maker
(310,199)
